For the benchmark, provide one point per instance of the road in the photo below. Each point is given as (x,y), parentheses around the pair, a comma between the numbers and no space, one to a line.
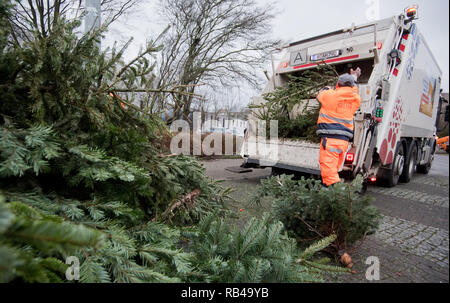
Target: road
(412,242)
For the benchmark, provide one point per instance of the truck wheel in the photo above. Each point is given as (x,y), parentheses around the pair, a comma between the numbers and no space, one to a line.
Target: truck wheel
(409,167)
(391,175)
(425,168)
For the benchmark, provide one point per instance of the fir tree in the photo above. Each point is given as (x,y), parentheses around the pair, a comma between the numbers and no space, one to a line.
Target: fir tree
(311,212)
(294,105)
(81,174)
(260,252)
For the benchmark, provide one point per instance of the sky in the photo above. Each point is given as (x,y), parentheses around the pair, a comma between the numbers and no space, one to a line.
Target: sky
(300,19)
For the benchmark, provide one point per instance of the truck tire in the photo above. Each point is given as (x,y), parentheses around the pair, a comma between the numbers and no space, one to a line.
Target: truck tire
(390,176)
(425,168)
(409,167)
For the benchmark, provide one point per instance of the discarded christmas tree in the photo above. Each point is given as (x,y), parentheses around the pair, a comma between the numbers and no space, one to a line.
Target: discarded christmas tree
(311,212)
(294,105)
(81,174)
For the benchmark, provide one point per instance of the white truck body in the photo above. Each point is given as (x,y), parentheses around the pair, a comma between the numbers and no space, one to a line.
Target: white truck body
(407,90)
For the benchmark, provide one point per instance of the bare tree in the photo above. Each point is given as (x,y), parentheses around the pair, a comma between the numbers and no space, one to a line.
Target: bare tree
(214,42)
(209,104)
(42,15)
(115,9)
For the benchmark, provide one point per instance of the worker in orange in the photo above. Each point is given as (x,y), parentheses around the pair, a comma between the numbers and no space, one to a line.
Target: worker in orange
(335,124)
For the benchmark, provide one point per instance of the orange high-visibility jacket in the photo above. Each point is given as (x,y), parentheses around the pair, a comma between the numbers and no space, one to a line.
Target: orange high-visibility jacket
(337,111)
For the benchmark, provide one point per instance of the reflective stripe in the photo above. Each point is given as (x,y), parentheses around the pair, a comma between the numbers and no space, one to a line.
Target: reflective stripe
(334,129)
(331,126)
(336,119)
(335,150)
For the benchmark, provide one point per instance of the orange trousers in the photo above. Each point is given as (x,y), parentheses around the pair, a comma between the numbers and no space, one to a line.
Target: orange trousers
(331,157)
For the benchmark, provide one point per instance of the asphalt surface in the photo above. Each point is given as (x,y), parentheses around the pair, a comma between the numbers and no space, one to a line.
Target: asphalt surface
(412,242)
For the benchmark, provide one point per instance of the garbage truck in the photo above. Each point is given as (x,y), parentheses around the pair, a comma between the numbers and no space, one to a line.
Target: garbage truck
(395,126)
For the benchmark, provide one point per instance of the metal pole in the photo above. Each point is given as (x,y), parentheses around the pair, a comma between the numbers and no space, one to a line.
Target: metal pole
(273,70)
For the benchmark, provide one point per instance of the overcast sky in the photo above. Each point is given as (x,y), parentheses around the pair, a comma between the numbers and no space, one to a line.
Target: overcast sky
(303,19)
(296,20)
